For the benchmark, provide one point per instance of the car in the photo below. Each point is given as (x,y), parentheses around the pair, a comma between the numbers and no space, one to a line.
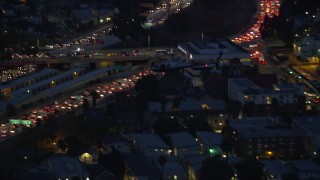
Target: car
(112,54)
(136,52)
(125,54)
(87,56)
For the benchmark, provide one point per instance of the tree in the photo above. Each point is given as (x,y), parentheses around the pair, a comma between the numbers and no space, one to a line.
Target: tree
(165,126)
(226,145)
(197,124)
(61,145)
(148,86)
(214,168)
(176,103)
(289,176)
(275,106)
(85,106)
(250,169)
(163,102)
(94,96)
(11,110)
(74,145)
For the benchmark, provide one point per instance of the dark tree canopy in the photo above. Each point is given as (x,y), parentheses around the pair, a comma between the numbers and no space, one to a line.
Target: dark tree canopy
(250,169)
(148,87)
(162,127)
(197,124)
(214,168)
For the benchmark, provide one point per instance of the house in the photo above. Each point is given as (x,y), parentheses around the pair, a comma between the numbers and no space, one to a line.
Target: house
(89,156)
(206,107)
(174,171)
(210,142)
(184,145)
(116,142)
(151,145)
(138,166)
(99,172)
(65,167)
(194,165)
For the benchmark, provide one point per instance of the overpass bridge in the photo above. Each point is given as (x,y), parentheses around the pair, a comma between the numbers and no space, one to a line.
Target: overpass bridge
(71,60)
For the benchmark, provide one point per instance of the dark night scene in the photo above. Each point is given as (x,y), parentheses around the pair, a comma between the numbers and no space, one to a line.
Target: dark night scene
(159,89)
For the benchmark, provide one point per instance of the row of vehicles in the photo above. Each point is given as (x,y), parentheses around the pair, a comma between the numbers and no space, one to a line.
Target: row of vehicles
(71,104)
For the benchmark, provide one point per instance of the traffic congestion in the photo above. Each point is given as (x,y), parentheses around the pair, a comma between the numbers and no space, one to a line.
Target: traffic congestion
(70,104)
(266,7)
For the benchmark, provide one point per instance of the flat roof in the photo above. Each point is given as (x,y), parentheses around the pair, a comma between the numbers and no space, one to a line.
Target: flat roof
(305,165)
(262,127)
(222,44)
(182,139)
(276,167)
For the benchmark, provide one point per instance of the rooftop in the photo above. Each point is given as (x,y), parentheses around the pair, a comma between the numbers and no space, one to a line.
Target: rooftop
(141,166)
(209,138)
(305,165)
(262,127)
(182,139)
(150,140)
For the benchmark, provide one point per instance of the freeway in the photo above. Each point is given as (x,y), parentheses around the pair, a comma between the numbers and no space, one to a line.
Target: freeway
(126,55)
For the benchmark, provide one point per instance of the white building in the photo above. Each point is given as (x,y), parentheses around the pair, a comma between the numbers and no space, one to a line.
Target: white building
(151,145)
(184,145)
(244,90)
(210,142)
(222,51)
(308,48)
(208,51)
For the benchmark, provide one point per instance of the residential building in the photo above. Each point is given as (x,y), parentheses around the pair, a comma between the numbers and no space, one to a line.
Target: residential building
(89,156)
(310,126)
(274,169)
(100,172)
(65,167)
(306,169)
(194,165)
(116,142)
(184,145)
(244,90)
(267,137)
(138,166)
(151,145)
(210,142)
(174,171)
